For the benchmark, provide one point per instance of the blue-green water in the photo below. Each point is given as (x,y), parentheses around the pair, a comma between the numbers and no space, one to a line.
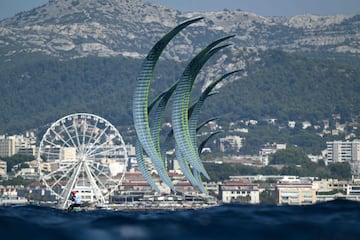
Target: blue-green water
(332,220)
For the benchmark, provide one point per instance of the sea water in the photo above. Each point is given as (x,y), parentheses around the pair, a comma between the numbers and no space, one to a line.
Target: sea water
(332,220)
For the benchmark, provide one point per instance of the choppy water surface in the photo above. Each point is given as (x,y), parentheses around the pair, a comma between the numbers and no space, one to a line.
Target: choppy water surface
(332,220)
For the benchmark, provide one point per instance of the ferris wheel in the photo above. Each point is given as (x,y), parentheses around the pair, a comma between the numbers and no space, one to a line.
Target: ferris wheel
(85,153)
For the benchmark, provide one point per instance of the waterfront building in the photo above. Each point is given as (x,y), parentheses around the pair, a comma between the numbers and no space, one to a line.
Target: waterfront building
(353,192)
(241,191)
(135,182)
(340,190)
(212,187)
(295,193)
(329,189)
(185,187)
(36,191)
(8,191)
(9,195)
(328,185)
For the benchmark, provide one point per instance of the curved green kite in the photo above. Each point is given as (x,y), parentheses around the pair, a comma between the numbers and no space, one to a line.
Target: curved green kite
(140,99)
(184,119)
(181,102)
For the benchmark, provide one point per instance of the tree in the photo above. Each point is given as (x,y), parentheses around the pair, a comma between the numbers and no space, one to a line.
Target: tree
(267,170)
(340,170)
(291,155)
(268,197)
(17,159)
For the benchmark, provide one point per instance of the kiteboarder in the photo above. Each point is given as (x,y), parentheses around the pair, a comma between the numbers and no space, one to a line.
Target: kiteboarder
(76,200)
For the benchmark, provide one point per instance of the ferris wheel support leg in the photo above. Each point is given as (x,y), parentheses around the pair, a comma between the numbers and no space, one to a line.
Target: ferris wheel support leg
(94,186)
(69,186)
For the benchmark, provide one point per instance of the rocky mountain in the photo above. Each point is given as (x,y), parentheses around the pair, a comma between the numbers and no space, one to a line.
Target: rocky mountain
(78,28)
(50,60)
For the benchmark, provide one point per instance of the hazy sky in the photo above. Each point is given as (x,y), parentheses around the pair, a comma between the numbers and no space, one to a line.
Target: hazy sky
(9,8)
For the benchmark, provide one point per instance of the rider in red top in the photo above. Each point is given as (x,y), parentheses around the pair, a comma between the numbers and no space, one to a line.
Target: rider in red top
(76,201)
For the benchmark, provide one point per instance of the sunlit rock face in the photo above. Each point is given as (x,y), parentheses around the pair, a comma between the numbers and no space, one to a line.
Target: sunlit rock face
(76,28)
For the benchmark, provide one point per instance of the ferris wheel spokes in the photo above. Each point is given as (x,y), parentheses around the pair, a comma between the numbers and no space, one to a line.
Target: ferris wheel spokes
(61,138)
(96,189)
(51,143)
(97,178)
(67,132)
(51,154)
(84,131)
(100,172)
(98,138)
(92,133)
(94,153)
(76,133)
(59,170)
(65,175)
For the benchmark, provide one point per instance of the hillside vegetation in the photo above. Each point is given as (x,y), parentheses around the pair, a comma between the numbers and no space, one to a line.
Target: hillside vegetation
(291,87)
(36,89)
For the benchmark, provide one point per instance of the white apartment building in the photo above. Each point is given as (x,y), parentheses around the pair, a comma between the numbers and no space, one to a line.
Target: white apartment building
(339,151)
(231,143)
(238,191)
(269,149)
(7,146)
(68,153)
(11,145)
